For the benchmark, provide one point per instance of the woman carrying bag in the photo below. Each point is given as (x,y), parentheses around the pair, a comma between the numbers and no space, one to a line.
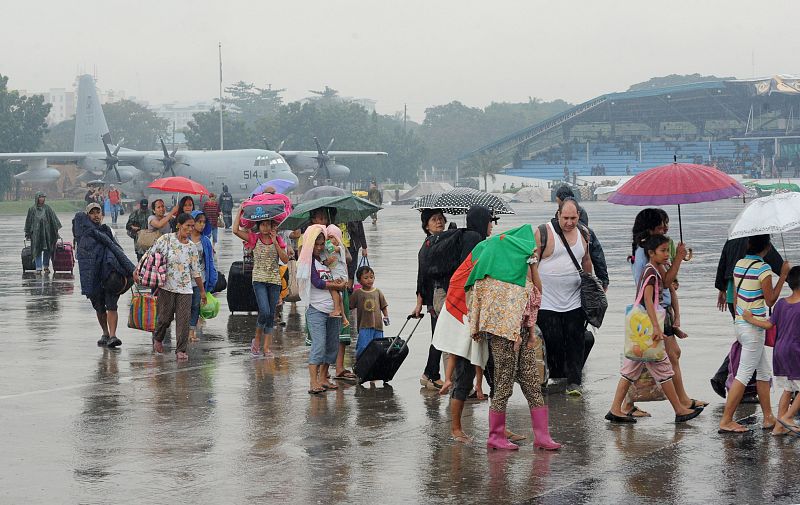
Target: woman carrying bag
(175,294)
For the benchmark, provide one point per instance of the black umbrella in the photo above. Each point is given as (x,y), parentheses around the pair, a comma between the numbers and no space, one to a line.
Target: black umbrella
(458,201)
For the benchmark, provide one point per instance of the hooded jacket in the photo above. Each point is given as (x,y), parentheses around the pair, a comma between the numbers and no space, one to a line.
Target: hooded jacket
(208,254)
(478,219)
(98,254)
(41,227)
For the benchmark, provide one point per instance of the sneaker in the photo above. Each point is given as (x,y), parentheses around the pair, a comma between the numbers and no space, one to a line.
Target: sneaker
(574,390)
(114,342)
(103,341)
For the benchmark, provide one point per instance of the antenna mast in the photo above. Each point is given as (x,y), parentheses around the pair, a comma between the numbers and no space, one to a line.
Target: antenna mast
(221,141)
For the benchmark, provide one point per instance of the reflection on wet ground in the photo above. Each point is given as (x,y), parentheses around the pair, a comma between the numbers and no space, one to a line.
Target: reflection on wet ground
(86,425)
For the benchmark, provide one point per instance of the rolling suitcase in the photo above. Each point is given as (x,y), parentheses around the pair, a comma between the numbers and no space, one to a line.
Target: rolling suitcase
(27,257)
(383,356)
(63,259)
(240,294)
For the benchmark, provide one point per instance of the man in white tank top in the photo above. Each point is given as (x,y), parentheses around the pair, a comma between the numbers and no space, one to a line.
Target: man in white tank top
(561,318)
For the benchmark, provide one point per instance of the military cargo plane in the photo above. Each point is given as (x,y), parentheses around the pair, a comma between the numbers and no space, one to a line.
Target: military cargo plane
(94,151)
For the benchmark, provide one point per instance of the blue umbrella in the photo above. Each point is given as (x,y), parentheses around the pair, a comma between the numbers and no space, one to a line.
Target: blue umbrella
(281,186)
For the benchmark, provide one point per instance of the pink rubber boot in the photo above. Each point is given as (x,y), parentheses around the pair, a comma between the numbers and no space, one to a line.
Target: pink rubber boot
(497,432)
(541,431)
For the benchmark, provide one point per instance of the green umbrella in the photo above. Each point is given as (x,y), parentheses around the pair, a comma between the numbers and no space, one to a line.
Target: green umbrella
(348,208)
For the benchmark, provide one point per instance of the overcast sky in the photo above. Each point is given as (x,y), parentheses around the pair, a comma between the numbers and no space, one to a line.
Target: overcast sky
(418,52)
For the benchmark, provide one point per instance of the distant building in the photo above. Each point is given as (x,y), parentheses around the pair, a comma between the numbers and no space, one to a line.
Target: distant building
(180,113)
(62,103)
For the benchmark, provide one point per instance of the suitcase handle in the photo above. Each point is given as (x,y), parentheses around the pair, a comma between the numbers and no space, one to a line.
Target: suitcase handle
(400,333)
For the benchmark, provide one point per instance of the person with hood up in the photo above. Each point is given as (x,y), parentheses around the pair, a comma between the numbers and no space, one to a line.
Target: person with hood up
(105,270)
(462,362)
(226,206)
(201,237)
(502,275)
(41,228)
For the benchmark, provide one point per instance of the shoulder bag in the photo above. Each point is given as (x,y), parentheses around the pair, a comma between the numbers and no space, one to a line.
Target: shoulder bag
(146,238)
(593,299)
(771,335)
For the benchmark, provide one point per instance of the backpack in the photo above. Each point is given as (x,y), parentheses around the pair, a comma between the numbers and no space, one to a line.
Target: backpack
(441,254)
(543,235)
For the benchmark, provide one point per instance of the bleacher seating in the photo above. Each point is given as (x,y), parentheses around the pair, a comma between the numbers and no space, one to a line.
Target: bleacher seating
(608,154)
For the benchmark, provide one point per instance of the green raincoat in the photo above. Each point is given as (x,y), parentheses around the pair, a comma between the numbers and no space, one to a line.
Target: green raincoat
(41,227)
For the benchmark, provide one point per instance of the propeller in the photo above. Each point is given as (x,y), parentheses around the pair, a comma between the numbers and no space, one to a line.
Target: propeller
(111,159)
(268,148)
(323,158)
(169,159)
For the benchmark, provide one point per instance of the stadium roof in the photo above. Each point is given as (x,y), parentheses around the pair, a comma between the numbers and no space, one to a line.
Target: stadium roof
(693,103)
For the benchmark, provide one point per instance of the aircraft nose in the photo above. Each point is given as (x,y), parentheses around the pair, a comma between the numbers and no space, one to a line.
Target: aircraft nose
(289,176)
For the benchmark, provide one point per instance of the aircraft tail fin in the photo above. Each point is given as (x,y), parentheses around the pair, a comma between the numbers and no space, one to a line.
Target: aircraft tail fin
(90,122)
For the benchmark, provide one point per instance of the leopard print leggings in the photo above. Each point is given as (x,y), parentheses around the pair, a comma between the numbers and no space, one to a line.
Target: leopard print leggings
(510,366)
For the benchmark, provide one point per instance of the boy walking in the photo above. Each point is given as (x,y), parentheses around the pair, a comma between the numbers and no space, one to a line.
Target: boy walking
(370,305)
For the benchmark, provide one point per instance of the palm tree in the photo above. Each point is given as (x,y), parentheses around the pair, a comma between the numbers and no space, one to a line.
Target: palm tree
(484,165)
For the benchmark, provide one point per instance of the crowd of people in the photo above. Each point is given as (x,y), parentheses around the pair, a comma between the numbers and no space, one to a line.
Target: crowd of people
(518,291)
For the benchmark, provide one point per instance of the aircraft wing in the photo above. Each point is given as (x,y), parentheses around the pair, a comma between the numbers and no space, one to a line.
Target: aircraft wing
(65,157)
(334,154)
(53,156)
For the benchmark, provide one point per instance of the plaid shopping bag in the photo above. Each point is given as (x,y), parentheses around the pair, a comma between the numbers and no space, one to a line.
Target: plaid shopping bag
(152,270)
(143,312)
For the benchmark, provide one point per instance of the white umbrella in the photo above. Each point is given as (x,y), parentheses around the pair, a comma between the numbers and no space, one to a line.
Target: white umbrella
(777,213)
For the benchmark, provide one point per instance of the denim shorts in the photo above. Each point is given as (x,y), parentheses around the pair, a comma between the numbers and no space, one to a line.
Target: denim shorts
(324,333)
(365,336)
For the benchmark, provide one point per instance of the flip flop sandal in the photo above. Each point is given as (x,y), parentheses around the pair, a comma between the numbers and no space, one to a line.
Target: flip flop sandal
(316,391)
(329,386)
(641,412)
(725,431)
(698,404)
(346,375)
(794,430)
(463,439)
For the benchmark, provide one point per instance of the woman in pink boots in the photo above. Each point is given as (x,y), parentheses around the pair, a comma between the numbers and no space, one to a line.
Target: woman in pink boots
(505,295)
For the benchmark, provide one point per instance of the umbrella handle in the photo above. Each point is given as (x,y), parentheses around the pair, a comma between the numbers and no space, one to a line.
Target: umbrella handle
(680,223)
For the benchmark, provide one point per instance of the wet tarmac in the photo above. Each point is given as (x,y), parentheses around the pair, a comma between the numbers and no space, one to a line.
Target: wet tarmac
(80,424)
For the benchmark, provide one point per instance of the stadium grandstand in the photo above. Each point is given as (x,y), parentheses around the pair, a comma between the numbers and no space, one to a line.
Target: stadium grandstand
(748,126)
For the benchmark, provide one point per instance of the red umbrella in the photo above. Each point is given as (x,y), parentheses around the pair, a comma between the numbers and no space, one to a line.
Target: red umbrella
(179,184)
(675,184)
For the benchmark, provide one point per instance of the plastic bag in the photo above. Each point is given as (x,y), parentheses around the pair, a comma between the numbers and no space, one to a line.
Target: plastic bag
(639,331)
(211,308)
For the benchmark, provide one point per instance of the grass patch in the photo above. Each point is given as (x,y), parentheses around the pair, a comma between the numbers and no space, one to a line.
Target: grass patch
(21,207)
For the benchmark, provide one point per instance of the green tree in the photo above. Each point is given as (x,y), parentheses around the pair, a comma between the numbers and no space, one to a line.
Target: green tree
(253,103)
(452,130)
(22,126)
(203,131)
(484,165)
(136,124)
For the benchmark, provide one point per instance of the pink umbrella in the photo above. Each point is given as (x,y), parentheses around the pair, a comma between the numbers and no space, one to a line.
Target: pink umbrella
(179,184)
(675,184)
